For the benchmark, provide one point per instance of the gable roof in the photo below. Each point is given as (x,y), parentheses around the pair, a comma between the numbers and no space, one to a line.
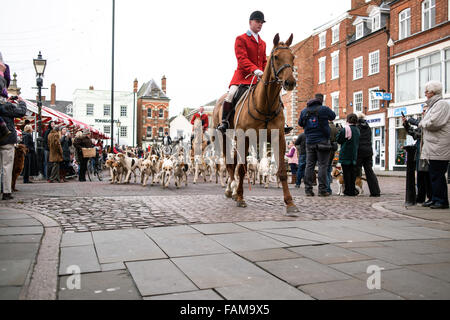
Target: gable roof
(151,90)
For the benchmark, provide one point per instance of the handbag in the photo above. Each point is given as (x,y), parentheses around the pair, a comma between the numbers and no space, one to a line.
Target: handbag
(424,165)
(88,152)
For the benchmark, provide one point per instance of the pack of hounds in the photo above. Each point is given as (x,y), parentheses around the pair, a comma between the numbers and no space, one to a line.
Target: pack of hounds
(163,169)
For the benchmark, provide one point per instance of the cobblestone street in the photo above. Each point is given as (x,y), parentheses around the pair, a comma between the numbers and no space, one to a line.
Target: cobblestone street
(134,206)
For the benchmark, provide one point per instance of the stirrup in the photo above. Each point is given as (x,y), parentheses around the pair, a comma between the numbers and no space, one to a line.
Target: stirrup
(223,126)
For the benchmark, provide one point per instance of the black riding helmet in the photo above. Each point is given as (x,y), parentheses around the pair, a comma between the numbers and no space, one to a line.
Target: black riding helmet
(257,15)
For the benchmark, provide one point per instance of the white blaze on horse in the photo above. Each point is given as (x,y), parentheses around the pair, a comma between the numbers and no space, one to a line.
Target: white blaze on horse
(261,108)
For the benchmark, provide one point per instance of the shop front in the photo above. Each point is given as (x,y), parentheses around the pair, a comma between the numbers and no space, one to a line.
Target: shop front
(398,136)
(377,124)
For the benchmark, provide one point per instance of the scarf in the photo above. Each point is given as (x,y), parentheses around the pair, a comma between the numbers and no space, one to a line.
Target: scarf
(348,131)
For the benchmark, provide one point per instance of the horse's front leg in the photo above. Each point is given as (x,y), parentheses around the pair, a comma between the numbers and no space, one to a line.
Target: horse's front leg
(240,189)
(228,190)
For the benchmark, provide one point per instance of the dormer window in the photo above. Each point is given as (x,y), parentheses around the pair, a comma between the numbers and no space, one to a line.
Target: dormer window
(359,30)
(375,22)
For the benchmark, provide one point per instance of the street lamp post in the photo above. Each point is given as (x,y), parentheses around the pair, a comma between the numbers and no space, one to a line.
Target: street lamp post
(118,131)
(39,66)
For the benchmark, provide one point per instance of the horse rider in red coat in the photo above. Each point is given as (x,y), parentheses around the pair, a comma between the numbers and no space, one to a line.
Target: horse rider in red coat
(251,56)
(202,116)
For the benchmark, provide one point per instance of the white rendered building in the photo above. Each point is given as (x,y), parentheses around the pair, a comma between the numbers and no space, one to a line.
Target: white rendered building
(93,107)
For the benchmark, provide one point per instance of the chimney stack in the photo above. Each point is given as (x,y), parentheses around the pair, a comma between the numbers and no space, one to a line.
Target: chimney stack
(135,86)
(163,84)
(53,95)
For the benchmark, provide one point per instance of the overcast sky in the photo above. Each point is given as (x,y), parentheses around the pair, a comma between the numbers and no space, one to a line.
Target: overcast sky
(190,42)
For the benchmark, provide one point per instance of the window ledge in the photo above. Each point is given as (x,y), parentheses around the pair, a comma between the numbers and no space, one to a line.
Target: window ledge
(372,74)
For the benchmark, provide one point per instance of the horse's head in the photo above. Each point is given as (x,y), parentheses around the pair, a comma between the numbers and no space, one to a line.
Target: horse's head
(282,63)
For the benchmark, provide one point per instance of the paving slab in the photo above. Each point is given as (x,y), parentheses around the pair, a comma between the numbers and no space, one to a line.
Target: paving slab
(171,230)
(10,293)
(125,245)
(438,270)
(402,233)
(5,215)
(72,239)
(302,234)
(260,225)
(290,241)
(84,257)
(21,239)
(112,285)
(344,234)
(360,267)
(188,244)
(410,284)
(19,222)
(417,246)
(192,295)
(14,272)
(218,228)
(159,277)
(397,256)
(6,231)
(302,271)
(220,270)
(378,295)
(439,257)
(268,254)
(336,289)
(328,254)
(18,251)
(349,245)
(269,289)
(113,266)
(246,241)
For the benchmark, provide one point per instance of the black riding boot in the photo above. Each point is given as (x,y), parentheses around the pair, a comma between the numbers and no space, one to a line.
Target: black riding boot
(226,109)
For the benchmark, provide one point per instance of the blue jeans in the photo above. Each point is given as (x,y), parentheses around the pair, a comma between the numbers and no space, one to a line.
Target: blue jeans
(301,169)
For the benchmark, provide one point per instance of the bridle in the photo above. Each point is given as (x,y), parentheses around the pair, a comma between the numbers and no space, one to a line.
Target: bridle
(277,72)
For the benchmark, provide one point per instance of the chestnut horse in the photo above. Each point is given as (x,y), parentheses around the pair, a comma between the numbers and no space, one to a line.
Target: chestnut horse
(261,108)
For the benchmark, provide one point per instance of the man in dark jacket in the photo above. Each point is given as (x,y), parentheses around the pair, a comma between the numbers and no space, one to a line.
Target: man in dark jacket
(300,143)
(365,153)
(314,119)
(9,111)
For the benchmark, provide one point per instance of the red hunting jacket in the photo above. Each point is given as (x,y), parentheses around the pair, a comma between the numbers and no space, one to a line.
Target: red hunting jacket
(251,55)
(204,118)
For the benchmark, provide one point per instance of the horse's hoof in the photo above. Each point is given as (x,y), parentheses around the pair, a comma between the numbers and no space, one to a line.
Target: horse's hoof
(241,204)
(234,197)
(292,211)
(228,194)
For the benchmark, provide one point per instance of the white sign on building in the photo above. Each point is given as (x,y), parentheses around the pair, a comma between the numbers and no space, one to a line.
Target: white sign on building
(93,107)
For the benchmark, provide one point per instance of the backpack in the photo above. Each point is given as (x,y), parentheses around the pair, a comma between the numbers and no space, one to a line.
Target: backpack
(312,118)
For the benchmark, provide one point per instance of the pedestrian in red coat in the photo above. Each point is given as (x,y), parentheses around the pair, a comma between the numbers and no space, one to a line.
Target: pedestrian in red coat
(251,56)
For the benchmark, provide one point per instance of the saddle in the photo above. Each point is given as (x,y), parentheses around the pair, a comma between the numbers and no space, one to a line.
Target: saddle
(240,92)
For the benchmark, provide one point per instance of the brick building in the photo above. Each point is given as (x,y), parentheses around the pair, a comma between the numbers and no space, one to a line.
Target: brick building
(153,113)
(419,52)
(367,72)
